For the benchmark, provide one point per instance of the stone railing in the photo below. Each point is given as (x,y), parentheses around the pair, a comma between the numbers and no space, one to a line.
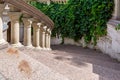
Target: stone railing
(48,1)
(31,18)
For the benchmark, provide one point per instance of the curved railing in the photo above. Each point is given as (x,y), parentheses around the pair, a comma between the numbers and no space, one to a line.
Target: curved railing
(32,20)
(23,6)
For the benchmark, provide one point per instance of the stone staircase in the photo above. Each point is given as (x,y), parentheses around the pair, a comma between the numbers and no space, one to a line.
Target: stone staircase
(85,65)
(74,63)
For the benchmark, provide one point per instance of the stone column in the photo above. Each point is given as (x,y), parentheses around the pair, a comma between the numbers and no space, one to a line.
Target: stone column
(27,32)
(49,40)
(116,14)
(46,40)
(36,36)
(14,16)
(40,38)
(43,36)
(2,6)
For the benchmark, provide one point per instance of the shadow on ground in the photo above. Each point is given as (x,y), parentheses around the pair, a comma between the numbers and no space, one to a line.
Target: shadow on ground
(102,64)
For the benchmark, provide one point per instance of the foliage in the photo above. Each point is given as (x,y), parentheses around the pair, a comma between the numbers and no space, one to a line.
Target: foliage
(78,18)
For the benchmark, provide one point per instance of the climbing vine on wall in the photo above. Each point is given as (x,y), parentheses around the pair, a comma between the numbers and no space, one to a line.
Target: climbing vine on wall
(79,18)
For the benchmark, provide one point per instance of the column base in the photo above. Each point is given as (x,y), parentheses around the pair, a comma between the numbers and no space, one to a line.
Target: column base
(3,44)
(2,41)
(43,48)
(46,49)
(38,48)
(30,46)
(17,45)
(49,49)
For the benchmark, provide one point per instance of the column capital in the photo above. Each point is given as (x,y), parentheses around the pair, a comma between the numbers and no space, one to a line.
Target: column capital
(44,28)
(14,15)
(37,25)
(49,31)
(27,22)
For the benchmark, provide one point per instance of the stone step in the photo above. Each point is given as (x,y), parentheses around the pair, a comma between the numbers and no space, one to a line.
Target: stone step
(30,69)
(92,60)
(89,57)
(70,71)
(102,68)
(110,65)
(85,67)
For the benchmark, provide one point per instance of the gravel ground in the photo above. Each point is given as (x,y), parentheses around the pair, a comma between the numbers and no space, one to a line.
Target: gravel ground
(15,65)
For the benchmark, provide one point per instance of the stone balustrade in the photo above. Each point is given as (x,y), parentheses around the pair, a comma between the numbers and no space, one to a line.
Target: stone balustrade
(40,39)
(48,1)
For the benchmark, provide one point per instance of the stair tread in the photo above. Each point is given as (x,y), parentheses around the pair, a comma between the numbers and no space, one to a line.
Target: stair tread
(9,68)
(70,71)
(85,67)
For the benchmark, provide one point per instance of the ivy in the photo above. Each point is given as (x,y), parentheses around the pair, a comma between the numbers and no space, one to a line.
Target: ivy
(79,18)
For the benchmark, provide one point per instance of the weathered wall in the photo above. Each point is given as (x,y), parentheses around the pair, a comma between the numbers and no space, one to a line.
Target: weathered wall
(111,43)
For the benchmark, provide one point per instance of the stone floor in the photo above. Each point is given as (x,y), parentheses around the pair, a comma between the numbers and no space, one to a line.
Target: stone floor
(64,62)
(2,77)
(77,63)
(15,65)
(102,64)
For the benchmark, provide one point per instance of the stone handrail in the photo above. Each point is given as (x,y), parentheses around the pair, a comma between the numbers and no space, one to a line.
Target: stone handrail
(20,4)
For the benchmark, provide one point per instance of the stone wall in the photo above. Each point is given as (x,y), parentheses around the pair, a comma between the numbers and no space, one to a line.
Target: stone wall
(110,44)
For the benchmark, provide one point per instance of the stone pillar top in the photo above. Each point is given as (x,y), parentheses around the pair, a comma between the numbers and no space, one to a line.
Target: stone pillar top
(36,25)
(14,15)
(49,30)
(39,24)
(27,21)
(44,28)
